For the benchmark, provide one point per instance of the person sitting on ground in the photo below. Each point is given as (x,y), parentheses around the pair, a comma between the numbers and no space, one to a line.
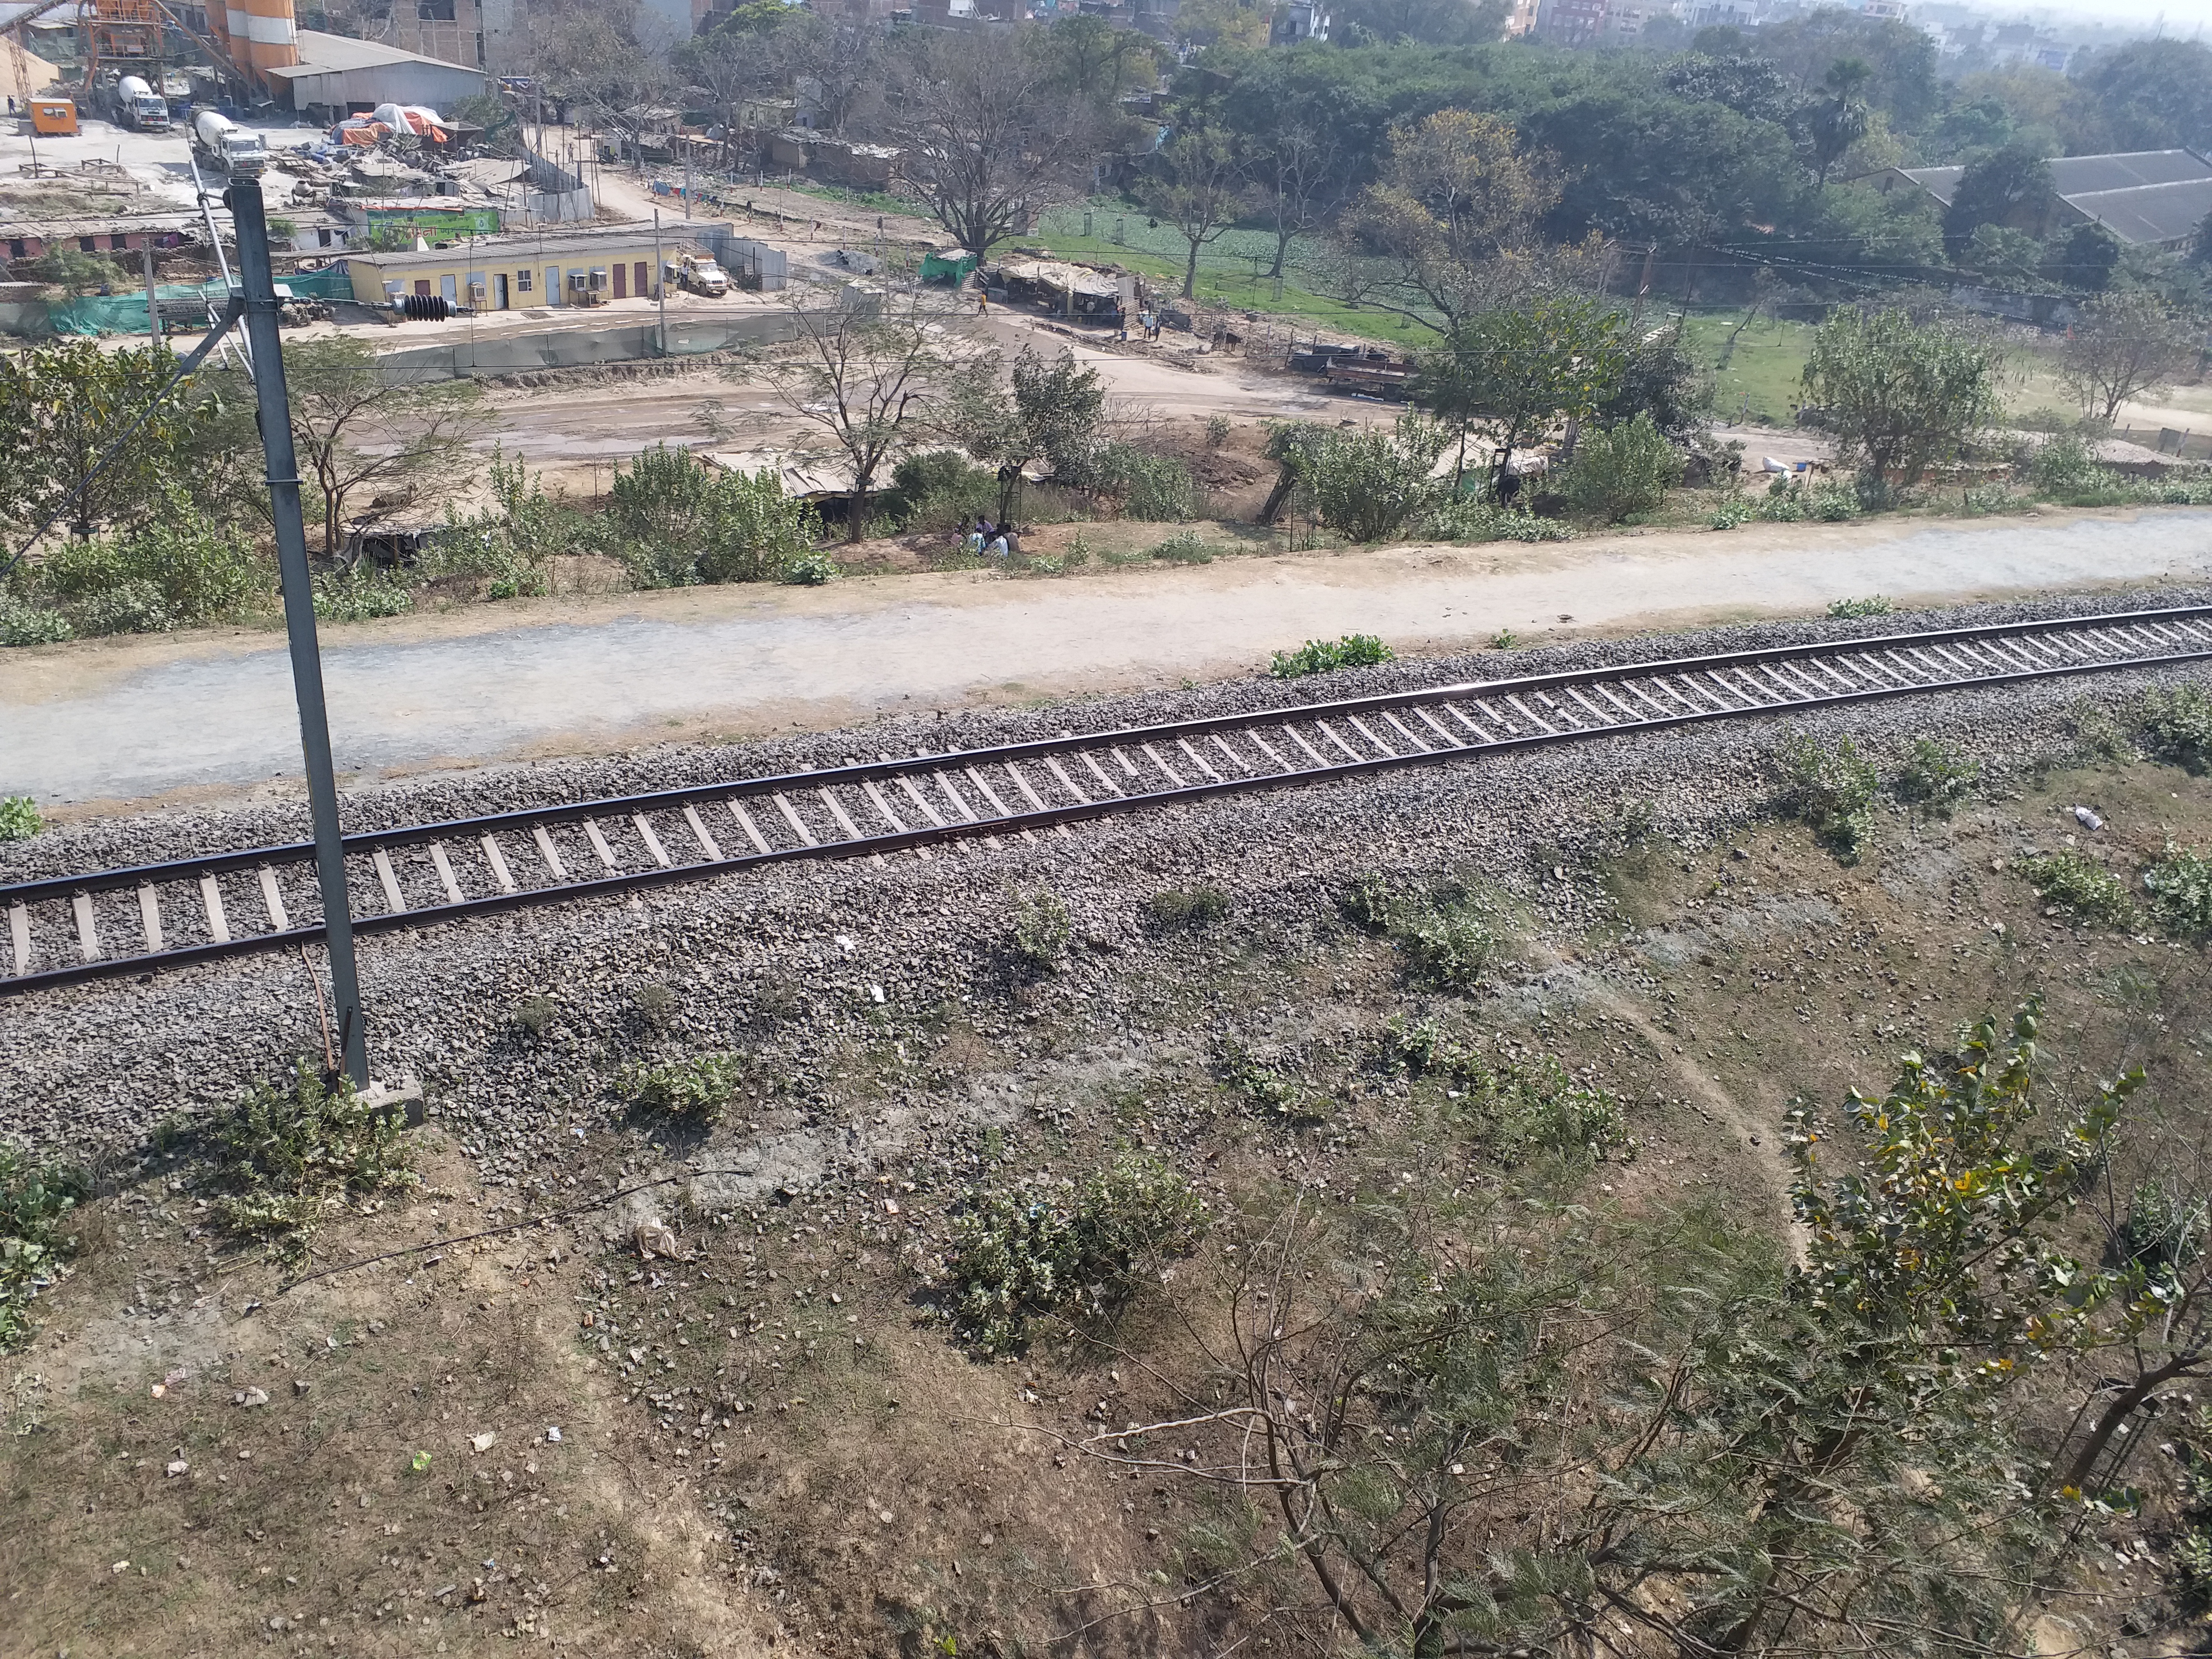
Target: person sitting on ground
(974,542)
(997,549)
(1012,538)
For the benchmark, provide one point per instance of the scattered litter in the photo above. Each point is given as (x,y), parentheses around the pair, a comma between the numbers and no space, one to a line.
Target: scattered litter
(2088,819)
(159,1390)
(419,1463)
(654,1238)
(482,1443)
(250,1397)
(178,1467)
(553,1436)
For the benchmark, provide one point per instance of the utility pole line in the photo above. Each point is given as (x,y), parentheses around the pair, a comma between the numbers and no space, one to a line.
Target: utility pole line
(258,282)
(660,281)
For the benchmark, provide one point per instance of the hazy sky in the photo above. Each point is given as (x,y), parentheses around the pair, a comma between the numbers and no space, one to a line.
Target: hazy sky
(2182,17)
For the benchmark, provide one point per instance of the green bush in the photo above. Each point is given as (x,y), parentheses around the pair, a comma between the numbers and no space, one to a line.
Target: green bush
(1830,788)
(1184,547)
(811,570)
(19,818)
(1041,932)
(1626,470)
(2179,723)
(1368,484)
(1732,513)
(1873,606)
(1449,945)
(176,569)
(1153,488)
(36,1200)
(1792,501)
(1520,1108)
(1937,778)
(676,521)
(1326,656)
(2180,886)
(284,1157)
(2064,467)
(1263,1087)
(1370,903)
(2077,884)
(25,623)
(345,596)
(940,490)
(696,1089)
(1467,519)
(1054,1248)
(1174,908)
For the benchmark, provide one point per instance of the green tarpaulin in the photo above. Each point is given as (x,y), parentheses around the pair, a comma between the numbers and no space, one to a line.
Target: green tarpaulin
(125,313)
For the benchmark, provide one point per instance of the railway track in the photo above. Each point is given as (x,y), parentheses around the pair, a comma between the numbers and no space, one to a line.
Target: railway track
(67,929)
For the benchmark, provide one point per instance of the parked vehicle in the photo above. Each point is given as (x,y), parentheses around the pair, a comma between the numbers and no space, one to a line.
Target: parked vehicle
(221,143)
(698,273)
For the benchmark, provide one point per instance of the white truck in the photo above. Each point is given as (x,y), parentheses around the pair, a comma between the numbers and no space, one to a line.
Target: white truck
(221,142)
(139,108)
(699,274)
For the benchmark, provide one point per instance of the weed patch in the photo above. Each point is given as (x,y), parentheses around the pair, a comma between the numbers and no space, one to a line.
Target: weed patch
(2181,885)
(2078,885)
(1175,909)
(19,818)
(1041,932)
(1183,548)
(1936,778)
(1873,606)
(1265,1089)
(1041,1248)
(695,1090)
(285,1158)
(1326,656)
(1521,1109)
(1447,938)
(1831,789)
(36,1200)
(2179,723)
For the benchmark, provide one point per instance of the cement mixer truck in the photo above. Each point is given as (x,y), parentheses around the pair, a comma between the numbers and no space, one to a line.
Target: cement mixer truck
(220,142)
(139,108)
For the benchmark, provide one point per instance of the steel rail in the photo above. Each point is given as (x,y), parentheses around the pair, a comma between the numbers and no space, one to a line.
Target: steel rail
(1824,678)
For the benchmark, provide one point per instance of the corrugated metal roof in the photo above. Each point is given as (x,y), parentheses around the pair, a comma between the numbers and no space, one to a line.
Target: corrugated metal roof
(334,54)
(2075,175)
(2149,213)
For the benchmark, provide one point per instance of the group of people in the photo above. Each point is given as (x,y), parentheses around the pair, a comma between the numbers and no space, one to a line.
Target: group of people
(1148,323)
(993,541)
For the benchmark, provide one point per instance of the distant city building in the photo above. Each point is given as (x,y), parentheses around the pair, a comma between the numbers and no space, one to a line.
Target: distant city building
(1522,19)
(1573,22)
(1302,20)
(2144,198)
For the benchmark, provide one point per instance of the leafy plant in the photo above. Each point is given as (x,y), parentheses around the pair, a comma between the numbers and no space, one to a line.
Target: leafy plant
(1791,500)
(1830,787)
(1041,932)
(1368,483)
(1626,470)
(2076,883)
(1732,512)
(1900,393)
(19,818)
(1184,547)
(284,1157)
(1263,1087)
(1504,639)
(23,624)
(1326,656)
(1153,488)
(2179,722)
(1468,519)
(2180,886)
(536,1015)
(1873,606)
(1937,778)
(694,1089)
(2065,466)
(1176,908)
(1043,1247)
(676,521)
(811,570)
(1217,431)
(36,1200)
(1446,937)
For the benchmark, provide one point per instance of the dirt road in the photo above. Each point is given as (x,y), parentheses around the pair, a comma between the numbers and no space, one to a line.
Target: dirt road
(210,714)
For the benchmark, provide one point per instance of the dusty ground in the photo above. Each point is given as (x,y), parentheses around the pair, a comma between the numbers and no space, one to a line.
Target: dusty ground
(132,718)
(770,1441)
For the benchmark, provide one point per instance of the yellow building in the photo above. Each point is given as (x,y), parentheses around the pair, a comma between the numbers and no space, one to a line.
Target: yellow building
(516,270)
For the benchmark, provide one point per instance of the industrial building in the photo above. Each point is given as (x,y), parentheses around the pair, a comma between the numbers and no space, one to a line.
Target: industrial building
(505,273)
(2153,199)
(335,76)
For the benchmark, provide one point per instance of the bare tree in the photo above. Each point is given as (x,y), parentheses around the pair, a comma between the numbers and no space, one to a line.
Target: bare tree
(589,56)
(990,136)
(359,429)
(837,62)
(1198,190)
(867,374)
(2125,346)
(1302,167)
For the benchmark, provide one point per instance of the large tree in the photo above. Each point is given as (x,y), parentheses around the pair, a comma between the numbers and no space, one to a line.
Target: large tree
(991,137)
(64,404)
(1900,393)
(1457,193)
(1418,22)
(2011,189)
(2154,95)
(1509,371)
(1056,413)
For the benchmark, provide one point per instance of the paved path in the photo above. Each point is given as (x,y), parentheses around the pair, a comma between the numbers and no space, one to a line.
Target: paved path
(213,714)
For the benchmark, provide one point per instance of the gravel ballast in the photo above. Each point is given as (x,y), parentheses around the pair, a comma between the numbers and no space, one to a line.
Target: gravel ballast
(795,962)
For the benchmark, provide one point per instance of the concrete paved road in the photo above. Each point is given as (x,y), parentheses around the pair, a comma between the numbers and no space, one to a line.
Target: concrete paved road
(212,714)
